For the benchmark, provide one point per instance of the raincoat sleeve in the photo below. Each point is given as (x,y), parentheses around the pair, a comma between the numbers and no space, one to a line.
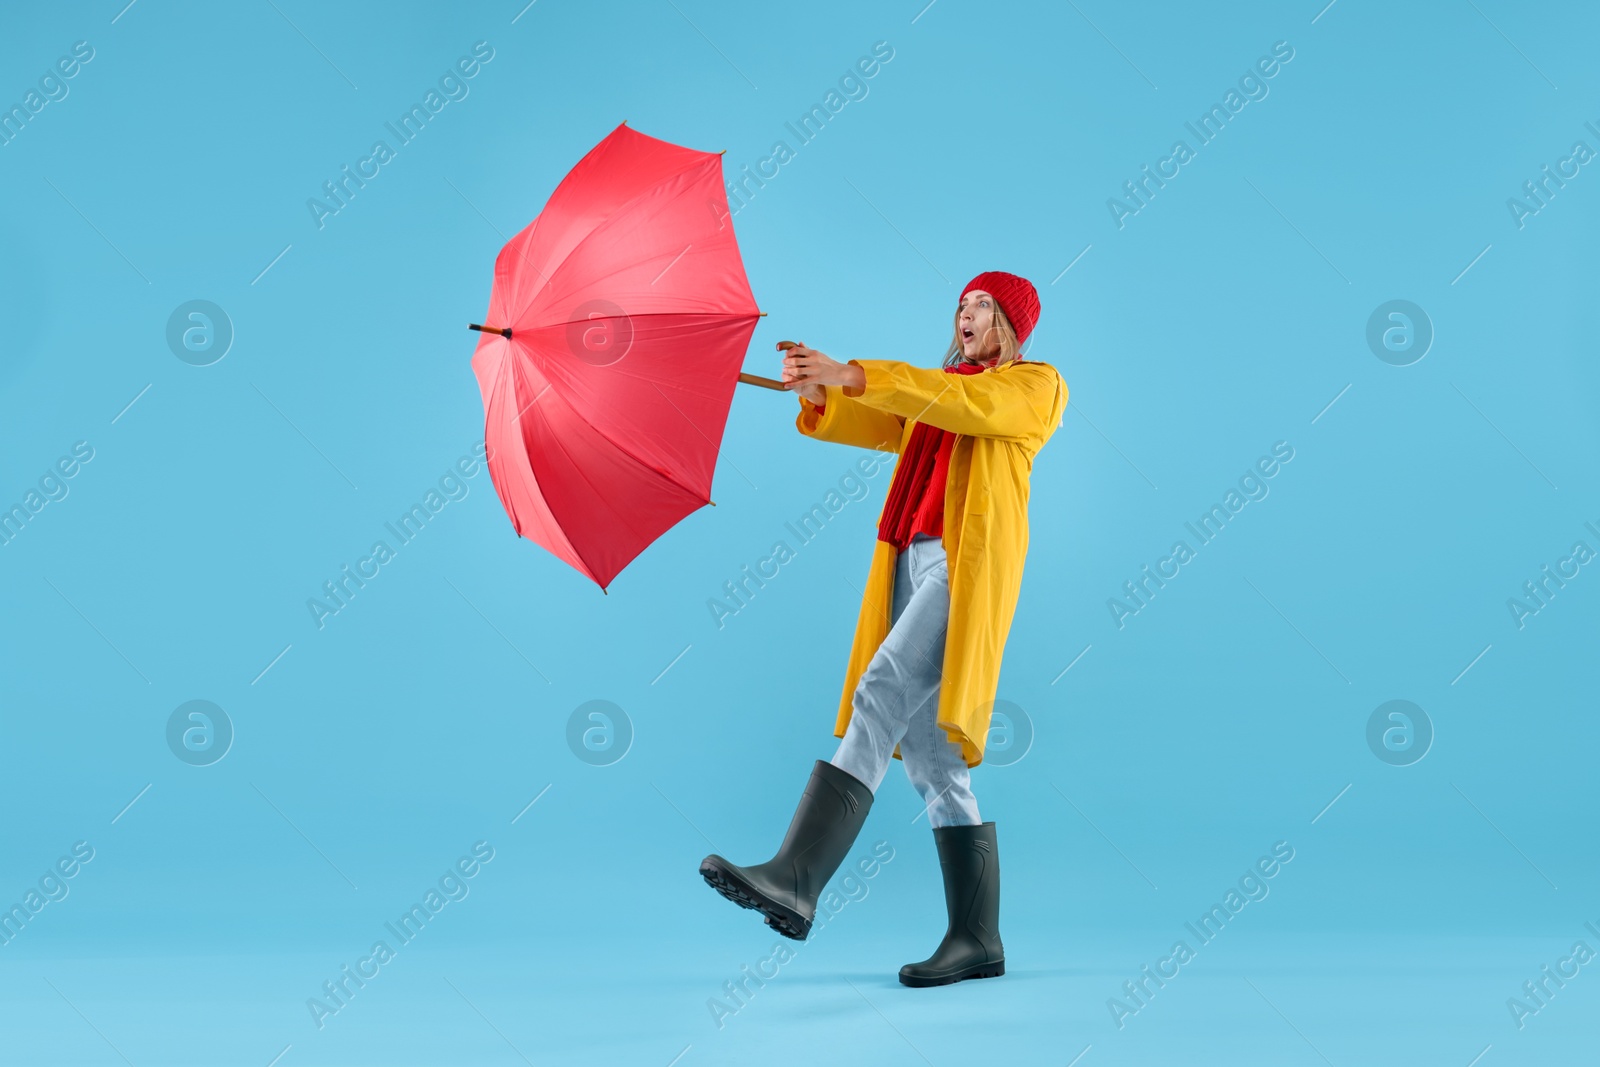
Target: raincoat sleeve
(1020,403)
(849,422)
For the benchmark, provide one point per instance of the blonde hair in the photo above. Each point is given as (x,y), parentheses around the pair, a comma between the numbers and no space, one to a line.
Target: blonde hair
(1010,347)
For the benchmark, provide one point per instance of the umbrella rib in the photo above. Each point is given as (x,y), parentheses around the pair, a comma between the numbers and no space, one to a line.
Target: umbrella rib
(635,198)
(669,479)
(616,213)
(631,315)
(714,446)
(624,450)
(652,383)
(554,518)
(556,439)
(626,203)
(617,368)
(508,369)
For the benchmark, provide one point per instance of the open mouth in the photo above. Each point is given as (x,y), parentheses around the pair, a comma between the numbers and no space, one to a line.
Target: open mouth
(966,335)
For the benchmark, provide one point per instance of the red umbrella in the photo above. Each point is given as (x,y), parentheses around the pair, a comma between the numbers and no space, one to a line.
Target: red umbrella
(621,316)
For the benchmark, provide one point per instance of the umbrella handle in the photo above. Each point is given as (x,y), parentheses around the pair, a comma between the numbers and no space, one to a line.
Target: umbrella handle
(766,383)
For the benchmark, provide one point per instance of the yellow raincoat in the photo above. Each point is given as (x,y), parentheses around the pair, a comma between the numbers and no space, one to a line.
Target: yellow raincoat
(1002,417)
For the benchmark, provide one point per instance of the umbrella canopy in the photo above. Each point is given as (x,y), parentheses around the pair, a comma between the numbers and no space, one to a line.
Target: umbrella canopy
(618,322)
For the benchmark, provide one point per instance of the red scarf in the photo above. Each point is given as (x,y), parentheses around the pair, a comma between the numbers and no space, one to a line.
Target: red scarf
(916,493)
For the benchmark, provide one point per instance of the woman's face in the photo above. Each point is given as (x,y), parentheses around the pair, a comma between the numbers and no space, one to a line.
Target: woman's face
(980,340)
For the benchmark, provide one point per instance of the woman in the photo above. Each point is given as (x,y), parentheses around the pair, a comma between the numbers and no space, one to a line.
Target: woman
(946,571)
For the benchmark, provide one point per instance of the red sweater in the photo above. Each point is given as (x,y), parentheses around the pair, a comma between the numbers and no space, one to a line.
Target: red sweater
(916,494)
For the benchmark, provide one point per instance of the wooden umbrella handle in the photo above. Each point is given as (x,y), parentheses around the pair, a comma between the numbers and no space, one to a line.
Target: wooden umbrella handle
(768,383)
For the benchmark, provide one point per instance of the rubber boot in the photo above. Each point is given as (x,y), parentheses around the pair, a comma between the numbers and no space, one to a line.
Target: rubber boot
(970,861)
(785,888)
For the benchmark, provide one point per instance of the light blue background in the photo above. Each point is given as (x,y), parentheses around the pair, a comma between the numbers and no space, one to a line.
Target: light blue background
(426,716)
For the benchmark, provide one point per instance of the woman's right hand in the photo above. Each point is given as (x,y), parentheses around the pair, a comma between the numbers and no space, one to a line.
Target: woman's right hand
(817,394)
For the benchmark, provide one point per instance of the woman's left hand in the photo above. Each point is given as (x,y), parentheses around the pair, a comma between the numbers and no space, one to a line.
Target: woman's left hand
(804,366)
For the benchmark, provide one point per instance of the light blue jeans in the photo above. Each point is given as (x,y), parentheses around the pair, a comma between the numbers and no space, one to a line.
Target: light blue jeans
(897,699)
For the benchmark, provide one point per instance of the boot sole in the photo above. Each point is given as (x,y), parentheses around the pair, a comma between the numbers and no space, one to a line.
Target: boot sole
(987,970)
(786,921)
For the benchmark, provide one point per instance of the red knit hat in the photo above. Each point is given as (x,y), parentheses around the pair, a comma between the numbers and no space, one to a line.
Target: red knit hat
(1017,298)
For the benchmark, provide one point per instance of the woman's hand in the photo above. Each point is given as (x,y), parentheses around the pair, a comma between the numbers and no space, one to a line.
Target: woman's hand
(807,371)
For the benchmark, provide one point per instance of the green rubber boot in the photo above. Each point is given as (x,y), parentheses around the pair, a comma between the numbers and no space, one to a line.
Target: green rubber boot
(970,861)
(785,888)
